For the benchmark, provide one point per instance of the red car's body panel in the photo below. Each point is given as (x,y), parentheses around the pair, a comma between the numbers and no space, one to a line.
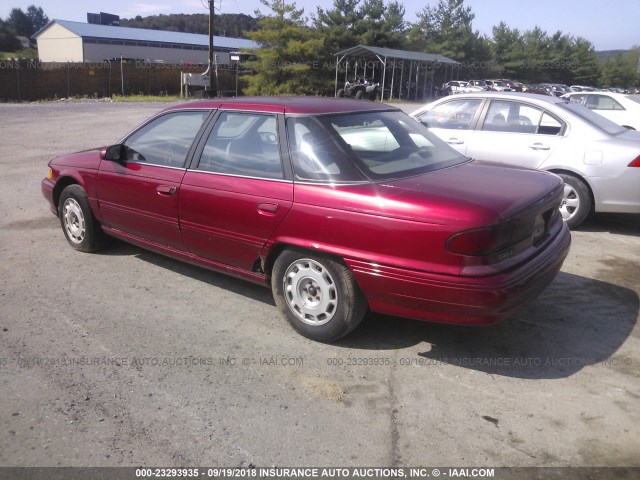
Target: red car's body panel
(391,234)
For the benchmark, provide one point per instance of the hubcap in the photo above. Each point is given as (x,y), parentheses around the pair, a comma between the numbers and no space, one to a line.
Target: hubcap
(73,219)
(310,292)
(570,203)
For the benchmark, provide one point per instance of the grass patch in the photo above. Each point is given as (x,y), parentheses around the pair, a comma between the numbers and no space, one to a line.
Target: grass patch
(146,98)
(31,53)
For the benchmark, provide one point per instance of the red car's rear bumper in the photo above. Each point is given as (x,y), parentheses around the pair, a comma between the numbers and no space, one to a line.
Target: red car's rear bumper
(461,300)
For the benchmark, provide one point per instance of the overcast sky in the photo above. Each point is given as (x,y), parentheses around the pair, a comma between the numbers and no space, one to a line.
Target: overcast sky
(607,24)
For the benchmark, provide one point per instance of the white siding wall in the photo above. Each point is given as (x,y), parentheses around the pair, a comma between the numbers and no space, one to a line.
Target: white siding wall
(57,44)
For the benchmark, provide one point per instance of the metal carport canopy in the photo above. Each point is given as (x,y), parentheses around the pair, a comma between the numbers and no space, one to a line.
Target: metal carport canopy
(382,54)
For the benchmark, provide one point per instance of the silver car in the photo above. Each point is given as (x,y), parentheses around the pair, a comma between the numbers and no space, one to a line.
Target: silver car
(598,160)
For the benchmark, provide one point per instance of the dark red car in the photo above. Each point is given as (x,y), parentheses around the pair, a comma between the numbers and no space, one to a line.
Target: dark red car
(340,206)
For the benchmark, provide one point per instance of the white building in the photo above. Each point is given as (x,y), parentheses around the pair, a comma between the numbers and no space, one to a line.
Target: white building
(65,41)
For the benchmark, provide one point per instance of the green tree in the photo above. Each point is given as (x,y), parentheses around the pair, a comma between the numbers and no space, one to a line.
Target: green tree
(37,18)
(288,55)
(507,46)
(20,22)
(623,70)
(27,23)
(339,25)
(8,40)
(447,29)
(381,25)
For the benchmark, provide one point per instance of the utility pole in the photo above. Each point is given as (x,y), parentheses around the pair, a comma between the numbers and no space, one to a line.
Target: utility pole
(211,55)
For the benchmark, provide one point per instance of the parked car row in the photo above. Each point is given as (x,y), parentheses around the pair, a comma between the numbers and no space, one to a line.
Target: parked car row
(550,89)
(459,86)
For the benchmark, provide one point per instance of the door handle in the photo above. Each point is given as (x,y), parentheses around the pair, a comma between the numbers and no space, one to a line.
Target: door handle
(166,190)
(455,141)
(539,146)
(269,208)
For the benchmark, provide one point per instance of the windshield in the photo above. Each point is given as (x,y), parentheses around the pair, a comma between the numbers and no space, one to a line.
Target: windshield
(593,118)
(365,146)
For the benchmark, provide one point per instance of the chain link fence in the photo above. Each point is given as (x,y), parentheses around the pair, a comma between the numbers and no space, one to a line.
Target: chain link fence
(31,80)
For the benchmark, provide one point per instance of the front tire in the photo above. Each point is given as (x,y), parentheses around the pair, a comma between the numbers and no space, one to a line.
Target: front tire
(576,201)
(317,295)
(82,230)
(359,95)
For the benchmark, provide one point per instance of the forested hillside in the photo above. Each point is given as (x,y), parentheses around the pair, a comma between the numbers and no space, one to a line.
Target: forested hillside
(225,24)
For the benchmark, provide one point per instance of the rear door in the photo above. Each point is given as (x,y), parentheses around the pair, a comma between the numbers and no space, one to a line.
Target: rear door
(139,194)
(515,133)
(237,190)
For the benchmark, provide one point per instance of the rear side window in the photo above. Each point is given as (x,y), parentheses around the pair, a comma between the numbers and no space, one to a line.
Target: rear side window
(516,117)
(243,144)
(166,140)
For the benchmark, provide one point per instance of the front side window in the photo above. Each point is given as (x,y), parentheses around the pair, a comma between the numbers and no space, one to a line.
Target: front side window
(367,145)
(456,114)
(516,117)
(243,144)
(166,140)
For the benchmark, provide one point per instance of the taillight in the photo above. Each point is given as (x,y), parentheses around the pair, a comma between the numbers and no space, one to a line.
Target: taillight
(495,239)
(636,162)
(480,241)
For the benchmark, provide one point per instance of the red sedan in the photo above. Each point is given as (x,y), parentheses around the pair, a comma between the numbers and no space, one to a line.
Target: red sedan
(340,206)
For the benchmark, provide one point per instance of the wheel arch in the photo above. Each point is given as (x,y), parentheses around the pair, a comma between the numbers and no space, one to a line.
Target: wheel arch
(558,171)
(62,183)
(269,260)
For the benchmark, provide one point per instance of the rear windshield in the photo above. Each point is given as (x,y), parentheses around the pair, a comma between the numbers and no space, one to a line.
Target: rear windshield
(365,146)
(593,118)
(635,98)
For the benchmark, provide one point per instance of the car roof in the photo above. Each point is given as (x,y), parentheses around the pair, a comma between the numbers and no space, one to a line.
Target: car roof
(507,95)
(290,105)
(608,94)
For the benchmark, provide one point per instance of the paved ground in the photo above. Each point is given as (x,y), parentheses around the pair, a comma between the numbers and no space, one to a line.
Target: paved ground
(176,365)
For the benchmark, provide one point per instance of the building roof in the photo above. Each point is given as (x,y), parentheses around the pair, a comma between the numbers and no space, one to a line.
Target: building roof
(145,35)
(366,51)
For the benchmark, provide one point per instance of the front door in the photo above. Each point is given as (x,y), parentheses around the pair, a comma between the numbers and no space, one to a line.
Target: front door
(139,194)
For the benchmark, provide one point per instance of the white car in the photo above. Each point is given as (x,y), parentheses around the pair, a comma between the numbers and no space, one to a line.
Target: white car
(498,86)
(617,107)
(598,160)
(458,86)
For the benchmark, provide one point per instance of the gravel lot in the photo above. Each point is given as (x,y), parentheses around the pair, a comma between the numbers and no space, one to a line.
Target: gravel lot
(128,358)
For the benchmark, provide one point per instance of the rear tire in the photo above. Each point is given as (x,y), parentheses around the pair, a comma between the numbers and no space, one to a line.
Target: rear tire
(340,93)
(358,94)
(576,201)
(317,295)
(81,228)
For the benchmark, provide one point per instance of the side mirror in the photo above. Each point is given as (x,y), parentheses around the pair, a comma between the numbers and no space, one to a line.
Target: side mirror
(114,153)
